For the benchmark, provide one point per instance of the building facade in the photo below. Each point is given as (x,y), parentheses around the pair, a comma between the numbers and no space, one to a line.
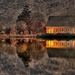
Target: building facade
(60,29)
(60,24)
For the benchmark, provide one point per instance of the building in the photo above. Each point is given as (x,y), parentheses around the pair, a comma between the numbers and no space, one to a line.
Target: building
(61,48)
(60,24)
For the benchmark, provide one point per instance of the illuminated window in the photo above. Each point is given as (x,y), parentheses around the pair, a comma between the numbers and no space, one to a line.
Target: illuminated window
(62,44)
(51,43)
(47,30)
(51,30)
(62,29)
(68,29)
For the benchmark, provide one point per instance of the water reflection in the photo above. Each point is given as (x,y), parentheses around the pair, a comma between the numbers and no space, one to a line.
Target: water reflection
(29,49)
(60,44)
(62,48)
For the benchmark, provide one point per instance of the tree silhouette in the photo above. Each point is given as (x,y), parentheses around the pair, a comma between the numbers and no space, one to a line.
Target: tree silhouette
(25,15)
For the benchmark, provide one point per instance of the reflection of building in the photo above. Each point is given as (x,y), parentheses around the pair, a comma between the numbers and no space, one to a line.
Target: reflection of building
(60,44)
(61,24)
(60,48)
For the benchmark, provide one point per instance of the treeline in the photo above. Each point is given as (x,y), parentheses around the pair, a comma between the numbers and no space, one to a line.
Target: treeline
(26,23)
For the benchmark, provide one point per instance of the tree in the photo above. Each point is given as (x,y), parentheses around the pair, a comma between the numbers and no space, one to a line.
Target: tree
(38,23)
(8,30)
(13,31)
(25,15)
(22,27)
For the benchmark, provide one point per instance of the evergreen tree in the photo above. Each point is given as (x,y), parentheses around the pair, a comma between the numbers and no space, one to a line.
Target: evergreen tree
(25,15)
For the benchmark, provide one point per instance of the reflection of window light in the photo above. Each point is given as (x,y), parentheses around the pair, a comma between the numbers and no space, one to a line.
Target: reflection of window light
(68,44)
(51,43)
(55,43)
(62,44)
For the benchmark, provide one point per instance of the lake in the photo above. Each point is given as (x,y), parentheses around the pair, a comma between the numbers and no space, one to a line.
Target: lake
(29,49)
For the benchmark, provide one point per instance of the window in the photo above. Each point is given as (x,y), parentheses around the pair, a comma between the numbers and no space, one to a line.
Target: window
(68,29)
(62,29)
(62,44)
(56,30)
(68,44)
(51,30)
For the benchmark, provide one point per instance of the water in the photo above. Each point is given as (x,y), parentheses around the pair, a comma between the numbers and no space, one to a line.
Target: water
(28,49)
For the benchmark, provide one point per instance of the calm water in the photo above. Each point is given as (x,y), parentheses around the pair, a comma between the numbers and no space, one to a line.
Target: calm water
(29,49)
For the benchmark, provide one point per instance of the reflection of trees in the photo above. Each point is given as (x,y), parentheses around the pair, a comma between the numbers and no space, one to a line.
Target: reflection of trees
(28,50)
(22,48)
(24,52)
(37,50)
(25,56)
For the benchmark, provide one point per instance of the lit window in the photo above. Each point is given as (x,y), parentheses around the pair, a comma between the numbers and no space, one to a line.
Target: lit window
(62,44)
(51,43)
(68,44)
(62,29)
(51,30)
(68,29)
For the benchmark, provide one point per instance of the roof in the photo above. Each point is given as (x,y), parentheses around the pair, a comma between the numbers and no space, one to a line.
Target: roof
(61,21)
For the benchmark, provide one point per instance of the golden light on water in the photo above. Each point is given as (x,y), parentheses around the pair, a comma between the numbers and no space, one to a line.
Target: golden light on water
(22,48)
(44,43)
(60,44)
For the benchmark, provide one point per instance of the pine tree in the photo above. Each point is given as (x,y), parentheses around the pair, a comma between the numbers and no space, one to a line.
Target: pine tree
(25,15)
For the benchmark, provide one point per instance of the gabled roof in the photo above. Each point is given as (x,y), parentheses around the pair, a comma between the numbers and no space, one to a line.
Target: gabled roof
(61,21)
